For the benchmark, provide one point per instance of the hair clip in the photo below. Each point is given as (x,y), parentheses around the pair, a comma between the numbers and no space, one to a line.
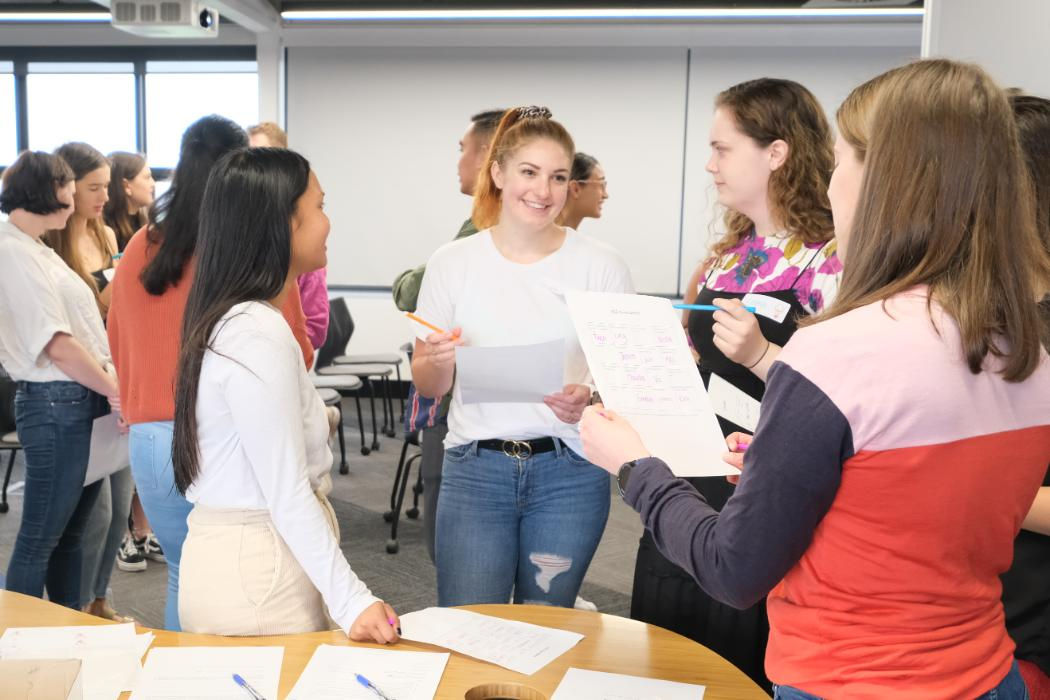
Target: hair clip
(533,112)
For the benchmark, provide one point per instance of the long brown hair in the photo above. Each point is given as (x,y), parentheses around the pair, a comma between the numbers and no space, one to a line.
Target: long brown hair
(945,202)
(123,166)
(771,109)
(1033,127)
(517,127)
(82,159)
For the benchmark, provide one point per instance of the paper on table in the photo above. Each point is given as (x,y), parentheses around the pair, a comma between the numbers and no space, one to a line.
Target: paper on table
(111,654)
(188,673)
(512,373)
(637,354)
(733,404)
(405,675)
(578,684)
(518,646)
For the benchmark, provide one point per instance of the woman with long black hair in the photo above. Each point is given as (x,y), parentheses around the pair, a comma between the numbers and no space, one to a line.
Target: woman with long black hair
(250,447)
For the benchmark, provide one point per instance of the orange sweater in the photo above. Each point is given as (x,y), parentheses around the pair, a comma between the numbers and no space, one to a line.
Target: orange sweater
(144,335)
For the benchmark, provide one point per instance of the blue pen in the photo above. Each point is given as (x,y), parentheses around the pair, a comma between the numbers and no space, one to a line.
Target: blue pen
(256,695)
(368,684)
(706,307)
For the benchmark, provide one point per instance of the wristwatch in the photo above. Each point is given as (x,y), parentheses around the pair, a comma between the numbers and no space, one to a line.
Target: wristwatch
(624,475)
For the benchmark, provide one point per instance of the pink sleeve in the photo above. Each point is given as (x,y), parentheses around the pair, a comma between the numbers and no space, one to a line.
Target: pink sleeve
(313,289)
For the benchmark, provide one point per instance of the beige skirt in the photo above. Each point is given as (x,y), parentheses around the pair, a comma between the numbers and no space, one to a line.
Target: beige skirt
(237,577)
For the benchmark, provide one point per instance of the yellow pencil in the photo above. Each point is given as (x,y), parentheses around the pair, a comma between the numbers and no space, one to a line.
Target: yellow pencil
(417,319)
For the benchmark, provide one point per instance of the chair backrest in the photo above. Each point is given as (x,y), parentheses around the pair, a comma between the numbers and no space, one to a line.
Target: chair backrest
(340,328)
(7,403)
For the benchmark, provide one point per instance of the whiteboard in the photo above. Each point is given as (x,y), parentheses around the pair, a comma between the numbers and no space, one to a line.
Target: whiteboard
(381,127)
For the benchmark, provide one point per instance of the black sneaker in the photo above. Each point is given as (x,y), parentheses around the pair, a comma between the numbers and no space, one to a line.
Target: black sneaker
(150,548)
(129,558)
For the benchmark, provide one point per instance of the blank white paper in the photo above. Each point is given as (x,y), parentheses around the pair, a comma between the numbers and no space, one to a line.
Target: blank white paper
(637,353)
(405,675)
(187,673)
(578,684)
(512,373)
(519,646)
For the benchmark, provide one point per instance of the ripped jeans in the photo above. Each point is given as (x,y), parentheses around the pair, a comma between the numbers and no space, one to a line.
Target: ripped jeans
(529,526)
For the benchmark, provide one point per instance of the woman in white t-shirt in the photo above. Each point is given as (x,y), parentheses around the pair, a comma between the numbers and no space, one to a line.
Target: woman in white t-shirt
(250,447)
(53,344)
(521,509)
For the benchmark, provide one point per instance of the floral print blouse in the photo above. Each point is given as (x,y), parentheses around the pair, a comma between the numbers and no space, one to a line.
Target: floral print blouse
(775,263)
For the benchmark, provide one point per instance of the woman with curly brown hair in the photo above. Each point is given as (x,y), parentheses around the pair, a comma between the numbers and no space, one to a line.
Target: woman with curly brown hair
(771,159)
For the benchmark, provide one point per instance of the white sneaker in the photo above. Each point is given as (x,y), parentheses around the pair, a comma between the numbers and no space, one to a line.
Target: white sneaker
(582,604)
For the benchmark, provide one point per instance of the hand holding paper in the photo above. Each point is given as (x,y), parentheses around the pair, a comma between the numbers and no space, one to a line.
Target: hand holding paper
(568,404)
(609,440)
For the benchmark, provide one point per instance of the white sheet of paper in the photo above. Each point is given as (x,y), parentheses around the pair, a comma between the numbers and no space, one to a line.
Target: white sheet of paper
(637,353)
(733,404)
(510,374)
(188,673)
(578,684)
(111,654)
(405,675)
(109,449)
(770,307)
(518,646)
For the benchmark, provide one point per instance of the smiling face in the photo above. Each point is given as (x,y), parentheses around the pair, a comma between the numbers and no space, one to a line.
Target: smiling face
(310,227)
(844,191)
(739,165)
(140,189)
(533,183)
(592,193)
(92,193)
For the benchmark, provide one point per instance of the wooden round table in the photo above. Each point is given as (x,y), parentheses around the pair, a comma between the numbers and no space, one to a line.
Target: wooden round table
(613,644)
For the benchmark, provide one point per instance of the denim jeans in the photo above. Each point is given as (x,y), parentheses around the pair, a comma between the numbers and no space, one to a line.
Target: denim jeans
(104,532)
(530,526)
(54,426)
(150,451)
(1012,687)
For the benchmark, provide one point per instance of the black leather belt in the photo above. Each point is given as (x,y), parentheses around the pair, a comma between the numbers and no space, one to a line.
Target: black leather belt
(519,449)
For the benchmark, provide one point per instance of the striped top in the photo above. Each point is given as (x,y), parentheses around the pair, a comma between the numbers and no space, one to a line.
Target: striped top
(877,508)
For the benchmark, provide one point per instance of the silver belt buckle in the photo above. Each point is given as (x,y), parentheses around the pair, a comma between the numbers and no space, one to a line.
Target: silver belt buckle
(517,449)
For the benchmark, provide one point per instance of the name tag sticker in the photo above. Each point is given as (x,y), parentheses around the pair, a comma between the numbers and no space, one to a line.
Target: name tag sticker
(770,307)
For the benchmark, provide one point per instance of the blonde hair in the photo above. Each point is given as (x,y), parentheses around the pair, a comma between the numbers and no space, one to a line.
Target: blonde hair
(273,133)
(854,114)
(518,127)
(946,202)
(771,109)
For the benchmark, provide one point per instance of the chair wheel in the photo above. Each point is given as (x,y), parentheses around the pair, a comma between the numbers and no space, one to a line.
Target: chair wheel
(365,451)
(344,468)
(388,516)
(392,546)
(412,513)
(375,445)
(4,507)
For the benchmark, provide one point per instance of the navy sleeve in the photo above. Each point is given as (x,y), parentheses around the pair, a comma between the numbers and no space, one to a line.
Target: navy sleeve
(792,471)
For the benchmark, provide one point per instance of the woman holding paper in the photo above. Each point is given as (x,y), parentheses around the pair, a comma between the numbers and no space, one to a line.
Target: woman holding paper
(53,344)
(521,510)
(250,447)
(770,159)
(879,518)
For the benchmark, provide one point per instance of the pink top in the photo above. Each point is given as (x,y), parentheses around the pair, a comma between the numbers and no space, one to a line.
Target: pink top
(313,290)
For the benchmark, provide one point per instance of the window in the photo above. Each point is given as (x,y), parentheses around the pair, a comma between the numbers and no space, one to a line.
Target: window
(180,92)
(90,102)
(8,132)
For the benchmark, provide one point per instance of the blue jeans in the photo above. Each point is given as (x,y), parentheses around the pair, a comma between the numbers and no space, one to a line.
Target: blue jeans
(528,526)
(54,426)
(105,530)
(1012,687)
(150,448)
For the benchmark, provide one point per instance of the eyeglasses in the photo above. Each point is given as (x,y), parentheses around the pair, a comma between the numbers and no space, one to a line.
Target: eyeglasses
(603,183)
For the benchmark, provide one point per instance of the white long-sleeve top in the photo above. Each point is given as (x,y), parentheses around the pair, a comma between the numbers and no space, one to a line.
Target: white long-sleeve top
(263,435)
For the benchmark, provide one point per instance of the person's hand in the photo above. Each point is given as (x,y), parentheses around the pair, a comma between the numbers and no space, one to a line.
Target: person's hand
(737,444)
(737,333)
(441,347)
(377,623)
(123,427)
(608,439)
(568,404)
(114,402)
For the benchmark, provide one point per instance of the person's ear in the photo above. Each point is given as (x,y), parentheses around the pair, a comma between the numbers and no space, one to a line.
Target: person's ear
(127,186)
(497,175)
(574,189)
(778,154)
